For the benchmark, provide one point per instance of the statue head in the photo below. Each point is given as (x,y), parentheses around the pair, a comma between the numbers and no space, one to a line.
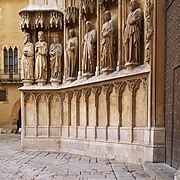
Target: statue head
(89,26)
(26,37)
(71,33)
(56,38)
(40,36)
(107,16)
(133,4)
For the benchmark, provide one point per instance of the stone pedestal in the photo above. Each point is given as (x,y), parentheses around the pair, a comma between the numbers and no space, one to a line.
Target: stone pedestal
(130,66)
(79,75)
(107,70)
(27,82)
(41,82)
(70,79)
(154,141)
(55,82)
(97,73)
(87,75)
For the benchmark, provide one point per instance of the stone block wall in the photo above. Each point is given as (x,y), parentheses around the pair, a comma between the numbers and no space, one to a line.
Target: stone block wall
(106,119)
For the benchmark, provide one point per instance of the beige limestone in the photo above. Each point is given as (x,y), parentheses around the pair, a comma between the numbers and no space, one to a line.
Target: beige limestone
(107,115)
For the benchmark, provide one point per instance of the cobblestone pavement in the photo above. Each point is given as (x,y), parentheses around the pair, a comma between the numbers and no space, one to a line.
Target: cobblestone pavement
(15,165)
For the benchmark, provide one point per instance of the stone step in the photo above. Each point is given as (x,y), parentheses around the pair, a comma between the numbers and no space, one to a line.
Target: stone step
(160,171)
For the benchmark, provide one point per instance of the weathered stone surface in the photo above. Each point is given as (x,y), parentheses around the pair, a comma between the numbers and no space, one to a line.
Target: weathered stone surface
(15,164)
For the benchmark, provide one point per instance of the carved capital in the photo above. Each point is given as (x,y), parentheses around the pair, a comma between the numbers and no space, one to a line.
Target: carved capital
(77,94)
(40,96)
(86,92)
(53,95)
(138,82)
(108,88)
(28,96)
(117,87)
(62,96)
(96,90)
(69,95)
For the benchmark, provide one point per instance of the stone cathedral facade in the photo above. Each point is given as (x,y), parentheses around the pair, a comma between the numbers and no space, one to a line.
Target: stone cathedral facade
(93,78)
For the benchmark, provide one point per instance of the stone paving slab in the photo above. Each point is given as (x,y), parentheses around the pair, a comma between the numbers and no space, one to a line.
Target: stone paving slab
(15,165)
(160,171)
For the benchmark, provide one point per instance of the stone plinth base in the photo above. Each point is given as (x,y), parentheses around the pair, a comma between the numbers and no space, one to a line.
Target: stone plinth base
(70,79)
(123,151)
(84,117)
(55,82)
(41,82)
(107,70)
(130,66)
(87,75)
(27,82)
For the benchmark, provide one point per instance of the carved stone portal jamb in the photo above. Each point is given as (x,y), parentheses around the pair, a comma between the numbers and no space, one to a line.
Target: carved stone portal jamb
(80,47)
(97,72)
(149,30)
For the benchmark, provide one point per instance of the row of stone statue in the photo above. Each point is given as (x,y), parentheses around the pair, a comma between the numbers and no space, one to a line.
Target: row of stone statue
(132,35)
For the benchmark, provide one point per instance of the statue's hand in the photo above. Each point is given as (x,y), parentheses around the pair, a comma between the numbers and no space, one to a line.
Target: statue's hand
(25,53)
(52,53)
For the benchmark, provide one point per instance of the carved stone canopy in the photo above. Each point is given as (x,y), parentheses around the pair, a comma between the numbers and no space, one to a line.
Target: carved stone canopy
(34,18)
(71,15)
(87,6)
